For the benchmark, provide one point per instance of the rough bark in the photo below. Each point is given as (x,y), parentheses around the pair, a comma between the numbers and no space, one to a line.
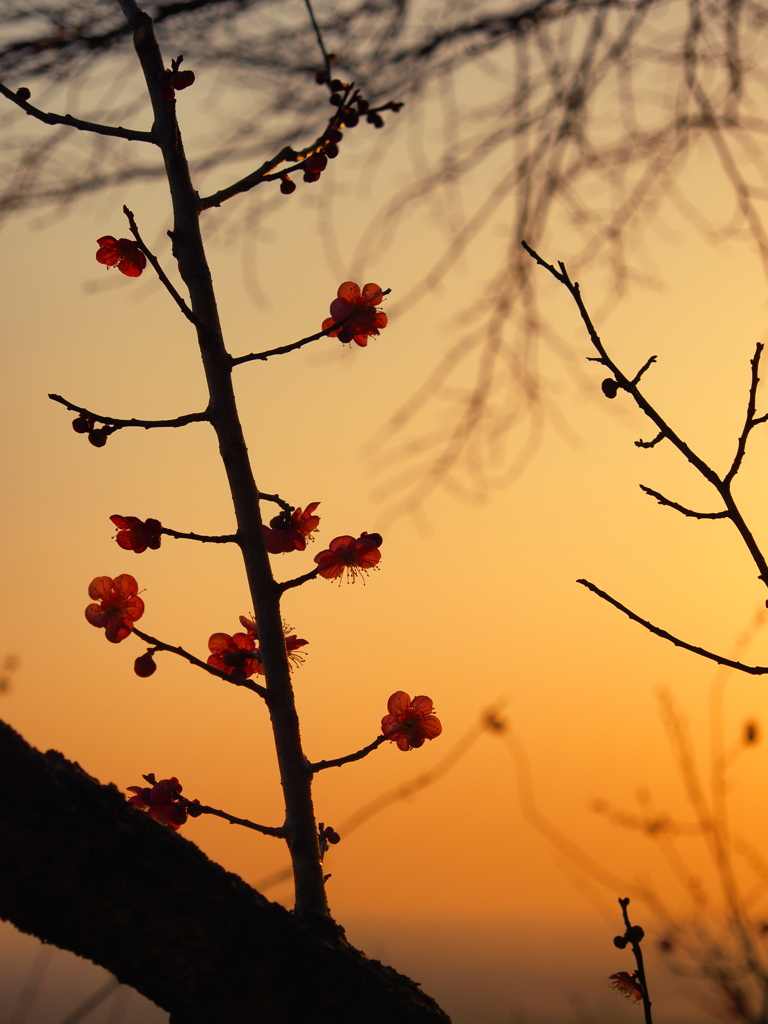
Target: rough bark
(82,869)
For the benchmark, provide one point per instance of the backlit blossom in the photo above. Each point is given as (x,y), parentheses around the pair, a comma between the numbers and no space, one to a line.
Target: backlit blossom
(121,253)
(288,531)
(410,722)
(162,801)
(358,311)
(118,606)
(137,535)
(235,655)
(292,644)
(627,985)
(345,554)
(174,80)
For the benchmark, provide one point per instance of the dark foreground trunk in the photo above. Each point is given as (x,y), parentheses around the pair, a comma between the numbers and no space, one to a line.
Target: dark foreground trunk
(83,870)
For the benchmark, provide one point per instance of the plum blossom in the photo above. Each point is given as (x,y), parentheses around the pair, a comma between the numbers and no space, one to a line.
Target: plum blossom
(358,312)
(236,655)
(410,722)
(121,253)
(345,554)
(162,800)
(627,985)
(289,531)
(137,535)
(118,606)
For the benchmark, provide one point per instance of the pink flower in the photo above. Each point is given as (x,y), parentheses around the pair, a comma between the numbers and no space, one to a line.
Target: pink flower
(410,722)
(359,313)
(118,606)
(627,985)
(345,554)
(121,253)
(136,535)
(292,643)
(236,655)
(288,531)
(163,801)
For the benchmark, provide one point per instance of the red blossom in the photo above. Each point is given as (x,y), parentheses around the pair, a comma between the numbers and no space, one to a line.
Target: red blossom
(118,606)
(172,81)
(137,535)
(410,722)
(121,253)
(358,311)
(627,985)
(345,554)
(288,531)
(235,655)
(292,643)
(162,801)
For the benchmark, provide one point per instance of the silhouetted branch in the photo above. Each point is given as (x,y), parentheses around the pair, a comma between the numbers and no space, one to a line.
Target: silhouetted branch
(681,508)
(159,645)
(158,269)
(754,670)
(750,420)
(318,766)
(266,830)
(20,98)
(227,538)
(634,936)
(289,584)
(651,444)
(117,424)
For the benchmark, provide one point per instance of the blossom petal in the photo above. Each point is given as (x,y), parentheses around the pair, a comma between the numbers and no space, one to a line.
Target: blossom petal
(349,291)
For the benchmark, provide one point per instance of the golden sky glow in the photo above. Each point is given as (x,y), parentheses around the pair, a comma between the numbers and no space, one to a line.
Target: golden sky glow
(481,610)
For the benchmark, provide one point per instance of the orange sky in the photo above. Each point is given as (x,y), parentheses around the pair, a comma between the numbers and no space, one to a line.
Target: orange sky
(481,608)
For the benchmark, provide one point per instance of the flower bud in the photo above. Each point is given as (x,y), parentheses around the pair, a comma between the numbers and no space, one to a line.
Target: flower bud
(316,163)
(609,387)
(23,93)
(82,424)
(286,185)
(337,85)
(321,78)
(98,437)
(620,942)
(193,809)
(145,665)
(331,150)
(635,933)
(375,119)
(350,118)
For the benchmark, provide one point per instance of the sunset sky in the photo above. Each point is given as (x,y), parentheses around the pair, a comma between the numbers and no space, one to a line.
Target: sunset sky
(475,605)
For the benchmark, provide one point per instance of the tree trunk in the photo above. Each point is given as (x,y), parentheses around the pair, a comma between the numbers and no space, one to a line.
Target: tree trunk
(82,869)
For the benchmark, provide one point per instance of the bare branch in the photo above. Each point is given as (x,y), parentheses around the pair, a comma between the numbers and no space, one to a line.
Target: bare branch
(648,363)
(158,269)
(227,538)
(257,177)
(290,584)
(750,420)
(651,444)
(267,830)
(337,762)
(754,670)
(178,421)
(681,508)
(159,645)
(20,99)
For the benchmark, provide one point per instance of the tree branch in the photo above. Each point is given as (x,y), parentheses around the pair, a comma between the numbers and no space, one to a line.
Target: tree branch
(337,762)
(290,584)
(227,538)
(750,420)
(234,680)
(21,100)
(165,281)
(267,830)
(179,421)
(681,508)
(754,670)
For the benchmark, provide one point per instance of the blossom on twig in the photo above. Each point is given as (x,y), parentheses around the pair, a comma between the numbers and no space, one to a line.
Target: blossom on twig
(627,985)
(136,534)
(358,311)
(235,655)
(162,801)
(410,722)
(118,606)
(345,554)
(289,531)
(292,643)
(121,253)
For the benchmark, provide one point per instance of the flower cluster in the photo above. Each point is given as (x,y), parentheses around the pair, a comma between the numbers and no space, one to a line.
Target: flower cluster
(137,535)
(410,722)
(238,655)
(627,985)
(174,80)
(161,800)
(345,554)
(289,531)
(121,253)
(356,314)
(352,108)
(86,424)
(118,606)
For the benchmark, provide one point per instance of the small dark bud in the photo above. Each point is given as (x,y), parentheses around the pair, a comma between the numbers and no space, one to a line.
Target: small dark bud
(316,163)
(337,85)
(620,942)
(98,437)
(331,150)
(311,176)
(375,119)
(23,93)
(374,538)
(350,118)
(334,135)
(331,836)
(335,100)
(362,106)
(287,186)
(321,78)
(609,387)
(193,808)
(635,933)
(145,665)
(82,424)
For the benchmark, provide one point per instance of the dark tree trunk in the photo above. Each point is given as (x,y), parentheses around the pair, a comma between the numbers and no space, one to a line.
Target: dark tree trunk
(82,869)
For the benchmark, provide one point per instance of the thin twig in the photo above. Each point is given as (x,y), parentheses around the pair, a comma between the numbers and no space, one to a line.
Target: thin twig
(634,936)
(261,174)
(320,43)
(290,584)
(681,508)
(754,670)
(159,645)
(178,421)
(158,269)
(749,421)
(227,538)
(267,830)
(651,444)
(337,762)
(74,122)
